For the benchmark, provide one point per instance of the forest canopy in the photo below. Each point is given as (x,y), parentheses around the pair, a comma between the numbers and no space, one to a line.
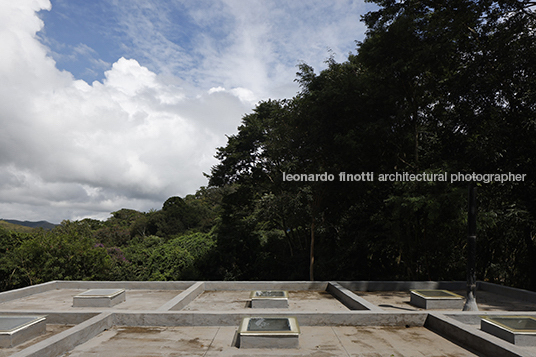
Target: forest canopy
(434,90)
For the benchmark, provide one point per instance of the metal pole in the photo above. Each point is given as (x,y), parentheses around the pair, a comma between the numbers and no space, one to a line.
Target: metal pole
(470,302)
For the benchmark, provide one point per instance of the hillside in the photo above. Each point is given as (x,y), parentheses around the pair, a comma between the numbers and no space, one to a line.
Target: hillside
(25,226)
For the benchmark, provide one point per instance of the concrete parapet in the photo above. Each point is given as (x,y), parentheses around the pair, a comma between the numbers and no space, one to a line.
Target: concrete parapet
(27,291)
(133,285)
(402,285)
(507,291)
(265,285)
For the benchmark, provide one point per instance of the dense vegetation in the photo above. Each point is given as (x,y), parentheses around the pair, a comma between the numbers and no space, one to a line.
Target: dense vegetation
(434,88)
(169,244)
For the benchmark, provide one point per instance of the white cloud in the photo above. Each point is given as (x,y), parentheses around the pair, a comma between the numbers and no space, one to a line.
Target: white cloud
(148,131)
(73,149)
(253,44)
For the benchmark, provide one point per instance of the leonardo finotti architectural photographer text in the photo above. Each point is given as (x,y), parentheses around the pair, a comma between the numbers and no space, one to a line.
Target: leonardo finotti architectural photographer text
(405,176)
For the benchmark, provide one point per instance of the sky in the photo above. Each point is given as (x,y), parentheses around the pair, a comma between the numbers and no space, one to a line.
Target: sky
(110,104)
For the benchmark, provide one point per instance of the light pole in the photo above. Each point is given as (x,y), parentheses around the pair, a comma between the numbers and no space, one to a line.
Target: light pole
(470,302)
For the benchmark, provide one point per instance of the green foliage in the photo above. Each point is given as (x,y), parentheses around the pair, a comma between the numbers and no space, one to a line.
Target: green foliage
(168,261)
(152,258)
(433,88)
(423,226)
(120,248)
(60,254)
(9,242)
(137,255)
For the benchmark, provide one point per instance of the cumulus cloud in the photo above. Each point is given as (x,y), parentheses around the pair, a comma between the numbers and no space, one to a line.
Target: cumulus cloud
(71,149)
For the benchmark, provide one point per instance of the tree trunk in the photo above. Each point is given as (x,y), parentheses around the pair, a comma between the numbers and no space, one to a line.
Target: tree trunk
(416,143)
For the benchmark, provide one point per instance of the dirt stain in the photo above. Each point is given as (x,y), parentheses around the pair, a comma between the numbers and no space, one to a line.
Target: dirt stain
(138,329)
(193,343)
(310,295)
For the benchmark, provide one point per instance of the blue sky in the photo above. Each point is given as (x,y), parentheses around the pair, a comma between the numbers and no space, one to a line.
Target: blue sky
(110,104)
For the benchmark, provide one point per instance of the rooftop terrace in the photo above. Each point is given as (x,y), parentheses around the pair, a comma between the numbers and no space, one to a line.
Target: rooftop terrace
(356,318)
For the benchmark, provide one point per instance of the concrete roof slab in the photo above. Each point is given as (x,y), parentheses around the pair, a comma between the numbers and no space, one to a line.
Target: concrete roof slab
(239,301)
(314,341)
(62,300)
(203,318)
(486,301)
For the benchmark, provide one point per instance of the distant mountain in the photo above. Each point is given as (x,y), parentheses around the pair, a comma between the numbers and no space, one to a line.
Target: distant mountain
(40,224)
(15,227)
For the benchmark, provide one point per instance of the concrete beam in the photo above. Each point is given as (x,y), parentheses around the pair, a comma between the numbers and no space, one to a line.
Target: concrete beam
(57,317)
(184,298)
(305,318)
(474,317)
(472,337)
(67,340)
(349,299)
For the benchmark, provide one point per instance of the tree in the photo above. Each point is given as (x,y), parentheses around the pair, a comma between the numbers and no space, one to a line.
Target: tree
(431,89)
(67,252)
(461,74)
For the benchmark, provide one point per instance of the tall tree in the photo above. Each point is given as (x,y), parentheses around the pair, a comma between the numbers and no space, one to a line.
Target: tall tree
(434,87)
(460,75)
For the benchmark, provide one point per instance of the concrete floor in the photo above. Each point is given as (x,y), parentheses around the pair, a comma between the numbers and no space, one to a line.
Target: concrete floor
(318,341)
(62,300)
(239,301)
(486,301)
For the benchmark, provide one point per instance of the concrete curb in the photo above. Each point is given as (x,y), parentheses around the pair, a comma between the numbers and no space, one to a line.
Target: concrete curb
(69,339)
(184,298)
(473,317)
(349,299)
(305,318)
(471,337)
